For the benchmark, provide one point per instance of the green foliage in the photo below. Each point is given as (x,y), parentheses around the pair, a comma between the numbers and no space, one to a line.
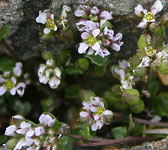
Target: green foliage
(83,131)
(163,67)
(98,60)
(82,64)
(22,108)
(65,143)
(106,24)
(6,64)
(153,88)
(160,104)
(3,31)
(72,91)
(142,42)
(138,107)
(119,132)
(47,55)
(11,143)
(131,96)
(157,29)
(137,130)
(63,57)
(86,94)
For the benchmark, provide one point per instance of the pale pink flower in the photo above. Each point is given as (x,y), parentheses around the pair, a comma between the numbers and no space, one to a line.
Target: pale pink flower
(148,16)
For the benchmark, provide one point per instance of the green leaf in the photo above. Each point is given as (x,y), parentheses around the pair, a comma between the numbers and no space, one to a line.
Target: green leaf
(63,57)
(157,29)
(86,94)
(72,91)
(142,42)
(98,60)
(72,70)
(83,131)
(119,132)
(163,67)
(83,64)
(137,129)
(3,32)
(6,64)
(22,108)
(106,24)
(153,87)
(139,107)
(160,104)
(65,143)
(3,139)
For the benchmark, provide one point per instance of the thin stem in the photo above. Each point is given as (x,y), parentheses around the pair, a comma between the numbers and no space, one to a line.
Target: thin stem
(142,121)
(9,49)
(118,141)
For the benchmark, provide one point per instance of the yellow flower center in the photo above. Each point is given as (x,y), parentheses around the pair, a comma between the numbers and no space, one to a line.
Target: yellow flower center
(50,24)
(149,16)
(150,51)
(9,84)
(90,40)
(99,110)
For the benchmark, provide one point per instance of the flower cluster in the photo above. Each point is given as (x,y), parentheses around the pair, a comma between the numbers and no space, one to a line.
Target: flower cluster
(48,20)
(50,74)
(97,34)
(126,78)
(32,136)
(14,81)
(95,113)
(148,16)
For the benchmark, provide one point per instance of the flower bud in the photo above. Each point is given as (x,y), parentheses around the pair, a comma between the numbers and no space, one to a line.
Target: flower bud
(47,55)
(164,19)
(131,96)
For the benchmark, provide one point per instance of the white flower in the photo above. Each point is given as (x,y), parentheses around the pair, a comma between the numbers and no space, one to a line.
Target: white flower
(148,16)
(41,69)
(161,56)
(57,72)
(43,79)
(20,88)
(95,113)
(20,145)
(24,127)
(150,51)
(54,82)
(39,131)
(10,131)
(50,62)
(46,120)
(47,18)
(123,64)
(145,62)
(127,83)
(17,70)
(9,85)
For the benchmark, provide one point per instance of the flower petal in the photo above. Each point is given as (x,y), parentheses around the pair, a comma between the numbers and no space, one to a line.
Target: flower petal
(82,48)
(116,47)
(96,32)
(84,35)
(2,90)
(84,114)
(106,15)
(96,46)
(46,30)
(157,7)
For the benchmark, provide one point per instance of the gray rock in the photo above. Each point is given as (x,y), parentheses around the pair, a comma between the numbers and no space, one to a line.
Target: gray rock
(25,32)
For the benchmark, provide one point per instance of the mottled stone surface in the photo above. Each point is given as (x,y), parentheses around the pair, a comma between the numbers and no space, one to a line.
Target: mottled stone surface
(25,33)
